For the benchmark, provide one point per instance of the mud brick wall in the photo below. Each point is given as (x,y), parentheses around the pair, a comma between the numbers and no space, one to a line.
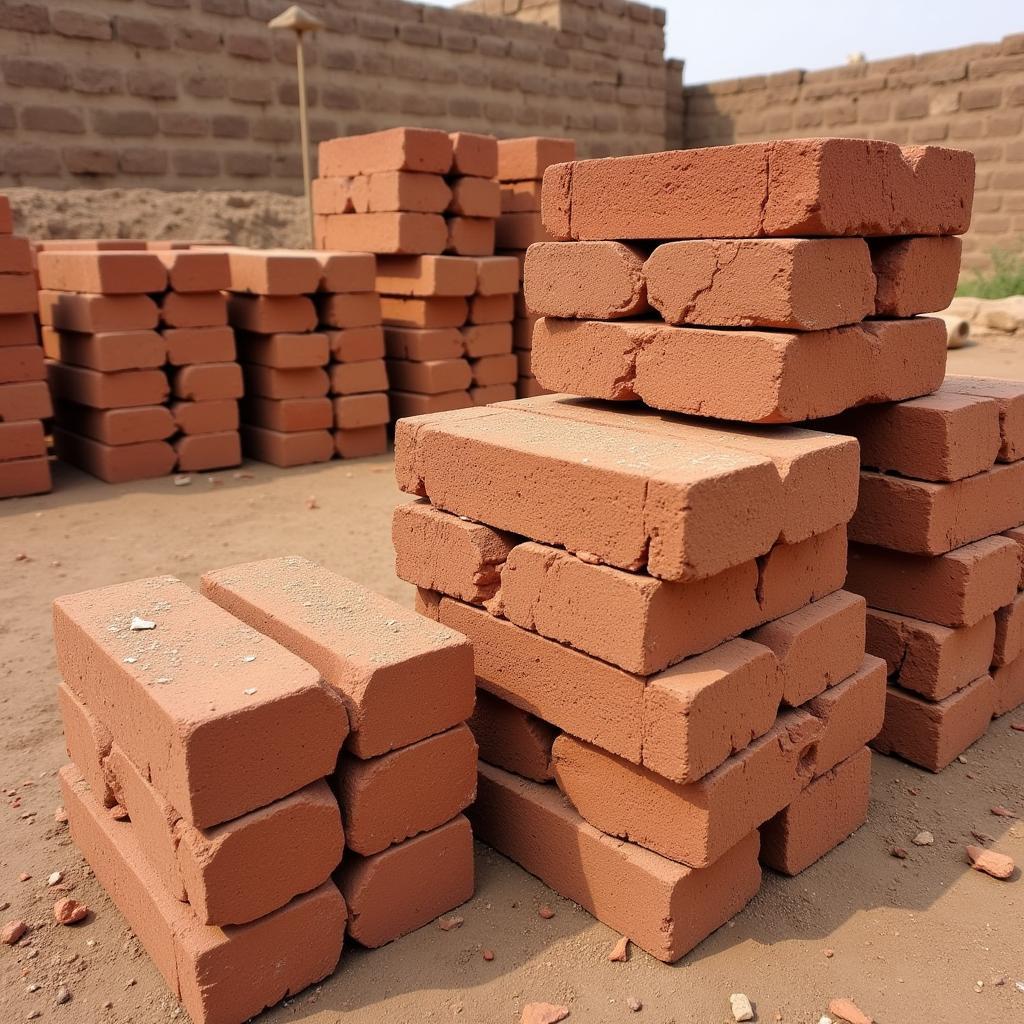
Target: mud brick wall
(186,94)
(969,98)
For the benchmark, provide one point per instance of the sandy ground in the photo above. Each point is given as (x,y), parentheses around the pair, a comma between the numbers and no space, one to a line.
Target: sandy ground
(919,940)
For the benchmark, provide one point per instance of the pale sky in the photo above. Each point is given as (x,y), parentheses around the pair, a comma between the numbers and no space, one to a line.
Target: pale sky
(733,38)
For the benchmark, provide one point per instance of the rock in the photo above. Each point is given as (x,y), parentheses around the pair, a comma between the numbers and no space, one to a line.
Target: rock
(824,1020)
(12,931)
(54,879)
(620,951)
(741,1008)
(898,852)
(546,912)
(448,924)
(1003,812)
(848,1010)
(634,1004)
(543,1013)
(118,813)
(140,624)
(24,876)
(63,996)
(998,865)
(924,839)
(69,911)
(60,816)
(487,954)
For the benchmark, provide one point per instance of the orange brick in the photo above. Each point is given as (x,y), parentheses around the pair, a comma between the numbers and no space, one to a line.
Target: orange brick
(102,273)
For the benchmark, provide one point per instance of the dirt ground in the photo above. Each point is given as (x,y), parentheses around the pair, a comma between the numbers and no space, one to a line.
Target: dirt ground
(923,939)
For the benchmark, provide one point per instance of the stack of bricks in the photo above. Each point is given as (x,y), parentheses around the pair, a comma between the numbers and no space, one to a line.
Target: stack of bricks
(937,552)
(521,166)
(311,347)
(655,600)
(140,359)
(24,395)
(207,792)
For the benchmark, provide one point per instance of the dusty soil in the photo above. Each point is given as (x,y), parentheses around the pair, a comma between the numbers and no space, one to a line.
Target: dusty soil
(919,940)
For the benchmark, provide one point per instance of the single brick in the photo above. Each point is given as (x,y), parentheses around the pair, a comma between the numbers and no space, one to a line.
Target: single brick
(404,887)
(491,309)
(932,734)
(526,159)
(444,311)
(924,518)
(15,255)
(272,314)
(931,660)
(273,272)
(346,271)
(331,195)
(117,426)
(520,197)
(956,589)
(354,412)
(1009,396)
(22,477)
(356,344)
(512,739)
(386,233)
(288,414)
(806,284)
(698,822)
(497,275)
(269,382)
(790,187)
(395,149)
(388,799)
(18,329)
(753,376)
(18,294)
(824,815)
(399,191)
(664,907)
(666,504)
(283,351)
(474,154)
(470,236)
(95,314)
(402,678)
(187,345)
(219,976)
(1009,639)
(103,273)
(915,275)
(426,276)
(480,340)
(193,309)
(205,382)
(21,364)
(28,401)
(180,707)
(360,442)
(940,437)
(108,352)
(349,309)
(209,417)
(189,271)
(475,197)
(25,440)
(790,575)
(1008,682)
(198,453)
(107,390)
(817,645)
(491,370)
(293,448)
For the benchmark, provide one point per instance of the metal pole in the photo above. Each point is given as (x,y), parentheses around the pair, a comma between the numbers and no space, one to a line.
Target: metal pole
(300,61)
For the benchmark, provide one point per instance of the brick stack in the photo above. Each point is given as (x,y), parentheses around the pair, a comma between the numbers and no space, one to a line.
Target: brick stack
(655,600)
(206,778)
(140,360)
(24,395)
(937,554)
(521,166)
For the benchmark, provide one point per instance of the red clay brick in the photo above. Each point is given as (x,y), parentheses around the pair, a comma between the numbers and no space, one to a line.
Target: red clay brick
(672,514)
(353,412)
(358,378)
(269,382)
(87,742)
(273,273)
(187,345)
(293,448)
(956,589)
(402,677)
(824,815)
(931,660)
(915,275)
(28,401)
(193,309)
(399,191)
(520,197)
(288,414)
(426,276)
(491,309)
(204,382)
(213,750)
(664,907)
(698,822)
(21,364)
(489,370)
(331,195)
(470,236)
(219,976)
(791,187)
(497,275)
(753,376)
(474,154)
(1008,681)
(102,273)
(24,440)
(208,417)
(18,329)
(190,271)
(448,311)
(920,517)
(1009,396)
(360,442)
(349,309)
(283,351)
(198,453)
(790,575)
(526,159)
(475,197)
(933,734)
(585,280)
(22,477)
(1009,639)
(394,149)
(106,390)
(940,437)
(386,233)
(109,352)
(806,284)
(404,887)
(117,426)
(511,739)
(15,255)
(407,403)
(356,344)
(272,314)
(346,271)
(95,314)
(388,799)
(480,340)
(18,294)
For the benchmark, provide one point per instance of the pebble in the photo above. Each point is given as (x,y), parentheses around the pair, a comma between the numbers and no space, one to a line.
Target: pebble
(12,931)
(118,813)
(1003,812)
(139,624)
(998,865)
(620,951)
(924,839)
(898,852)
(447,924)
(546,912)
(848,1010)
(634,1004)
(63,995)
(825,1020)
(24,877)
(487,954)
(60,816)
(69,911)
(543,1013)
(33,1015)
(54,879)
(182,481)
(741,1008)
(33,988)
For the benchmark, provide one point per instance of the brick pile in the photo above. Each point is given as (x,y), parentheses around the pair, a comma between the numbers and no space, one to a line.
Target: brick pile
(24,394)
(664,647)
(311,347)
(937,551)
(207,792)
(140,359)
(521,166)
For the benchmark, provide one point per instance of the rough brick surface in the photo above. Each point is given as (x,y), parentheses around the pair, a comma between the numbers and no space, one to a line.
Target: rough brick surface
(1009,396)
(1009,640)
(915,275)
(1008,681)
(510,738)
(401,677)
(88,742)
(664,907)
